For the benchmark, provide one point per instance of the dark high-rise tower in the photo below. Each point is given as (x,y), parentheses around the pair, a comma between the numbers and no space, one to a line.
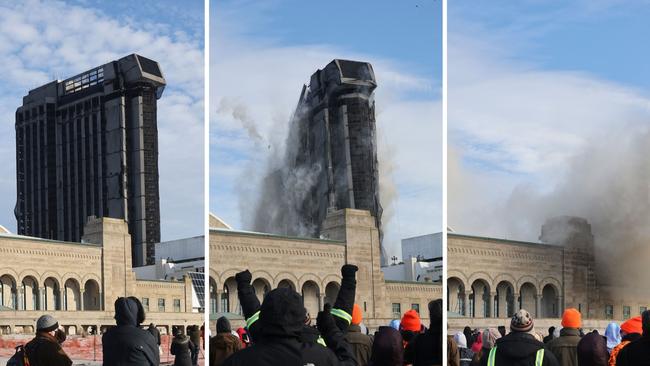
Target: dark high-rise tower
(88,146)
(331,157)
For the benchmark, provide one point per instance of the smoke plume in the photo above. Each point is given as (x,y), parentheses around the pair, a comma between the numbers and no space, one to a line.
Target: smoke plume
(607,183)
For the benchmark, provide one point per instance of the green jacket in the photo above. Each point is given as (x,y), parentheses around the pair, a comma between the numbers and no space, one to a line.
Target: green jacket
(565,347)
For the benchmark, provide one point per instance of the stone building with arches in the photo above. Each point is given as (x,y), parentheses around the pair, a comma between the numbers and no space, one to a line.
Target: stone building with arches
(79,282)
(490,279)
(312,268)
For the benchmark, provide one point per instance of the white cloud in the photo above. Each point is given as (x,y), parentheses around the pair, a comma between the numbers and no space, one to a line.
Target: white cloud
(265,78)
(40,41)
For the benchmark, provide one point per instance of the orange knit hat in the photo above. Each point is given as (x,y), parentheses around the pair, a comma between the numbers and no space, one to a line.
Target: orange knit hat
(411,321)
(632,325)
(357,314)
(571,318)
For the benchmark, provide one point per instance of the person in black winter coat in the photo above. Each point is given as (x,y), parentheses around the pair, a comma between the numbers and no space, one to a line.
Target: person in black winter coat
(127,344)
(279,329)
(426,348)
(637,353)
(387,348)
(519,348)
(592,350)
(154,332)
(181,348)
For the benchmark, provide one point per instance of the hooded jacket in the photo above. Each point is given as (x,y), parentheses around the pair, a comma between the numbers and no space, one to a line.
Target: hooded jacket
(361,344)
(222,346)
(613,334)
(426,348)
(127,344)
(44,350)
(279,334)
(519,349)
(592,350)
(387,349)
(565,347)
(181,346)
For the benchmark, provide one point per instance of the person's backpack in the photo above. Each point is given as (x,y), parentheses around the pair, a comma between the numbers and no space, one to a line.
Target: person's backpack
(19,358)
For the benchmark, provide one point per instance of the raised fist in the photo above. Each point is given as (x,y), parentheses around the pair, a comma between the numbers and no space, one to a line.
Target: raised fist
(349,270)
(244,277)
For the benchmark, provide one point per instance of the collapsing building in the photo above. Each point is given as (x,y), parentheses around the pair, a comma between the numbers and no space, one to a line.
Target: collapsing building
(331,154)
(88,146)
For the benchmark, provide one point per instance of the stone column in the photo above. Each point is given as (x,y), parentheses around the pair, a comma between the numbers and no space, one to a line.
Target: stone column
(321,301)
(517,302)
(42,303)
(493,312)
(466,304)
(81,299)
(20,294)
(218,301)
(538,305)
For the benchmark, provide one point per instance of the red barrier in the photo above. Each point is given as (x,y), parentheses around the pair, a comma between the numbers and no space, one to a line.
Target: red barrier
(87,348)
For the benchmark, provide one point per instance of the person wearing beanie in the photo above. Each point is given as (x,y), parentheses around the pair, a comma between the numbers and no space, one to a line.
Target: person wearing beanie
(224,343)
(519,347)
(426,348)
(127,343)
(45,348)
(466,354)
(278,341)
(410,326)
(631,330)
(361,343)
(592,350)
(565,347)
(637,352)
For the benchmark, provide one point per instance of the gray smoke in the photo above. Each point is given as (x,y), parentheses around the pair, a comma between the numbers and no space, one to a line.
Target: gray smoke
(608,183)
(239,112)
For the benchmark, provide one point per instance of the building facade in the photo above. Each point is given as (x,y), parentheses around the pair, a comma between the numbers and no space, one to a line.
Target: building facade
(331,158)
(312,267)
(88,146)
(489,279)
(79,282)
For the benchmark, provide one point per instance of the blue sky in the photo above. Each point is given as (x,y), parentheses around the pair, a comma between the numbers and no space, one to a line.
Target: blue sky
(263,52)
(44,40)
(547,103)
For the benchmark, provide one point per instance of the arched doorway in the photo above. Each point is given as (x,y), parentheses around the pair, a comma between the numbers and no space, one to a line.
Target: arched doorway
(261,288)
(30,294)
(71,295)
(550,308)
(8,292)
(91,296)
(52,300)
(456,296)
(331,291)
(527,298)
(505,300)
(310,298)
(286,284)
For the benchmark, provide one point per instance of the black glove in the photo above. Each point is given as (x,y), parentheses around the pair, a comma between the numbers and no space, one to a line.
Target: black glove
(243,278)
(60,335)
(326,325)
(345,298)
(246,294)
